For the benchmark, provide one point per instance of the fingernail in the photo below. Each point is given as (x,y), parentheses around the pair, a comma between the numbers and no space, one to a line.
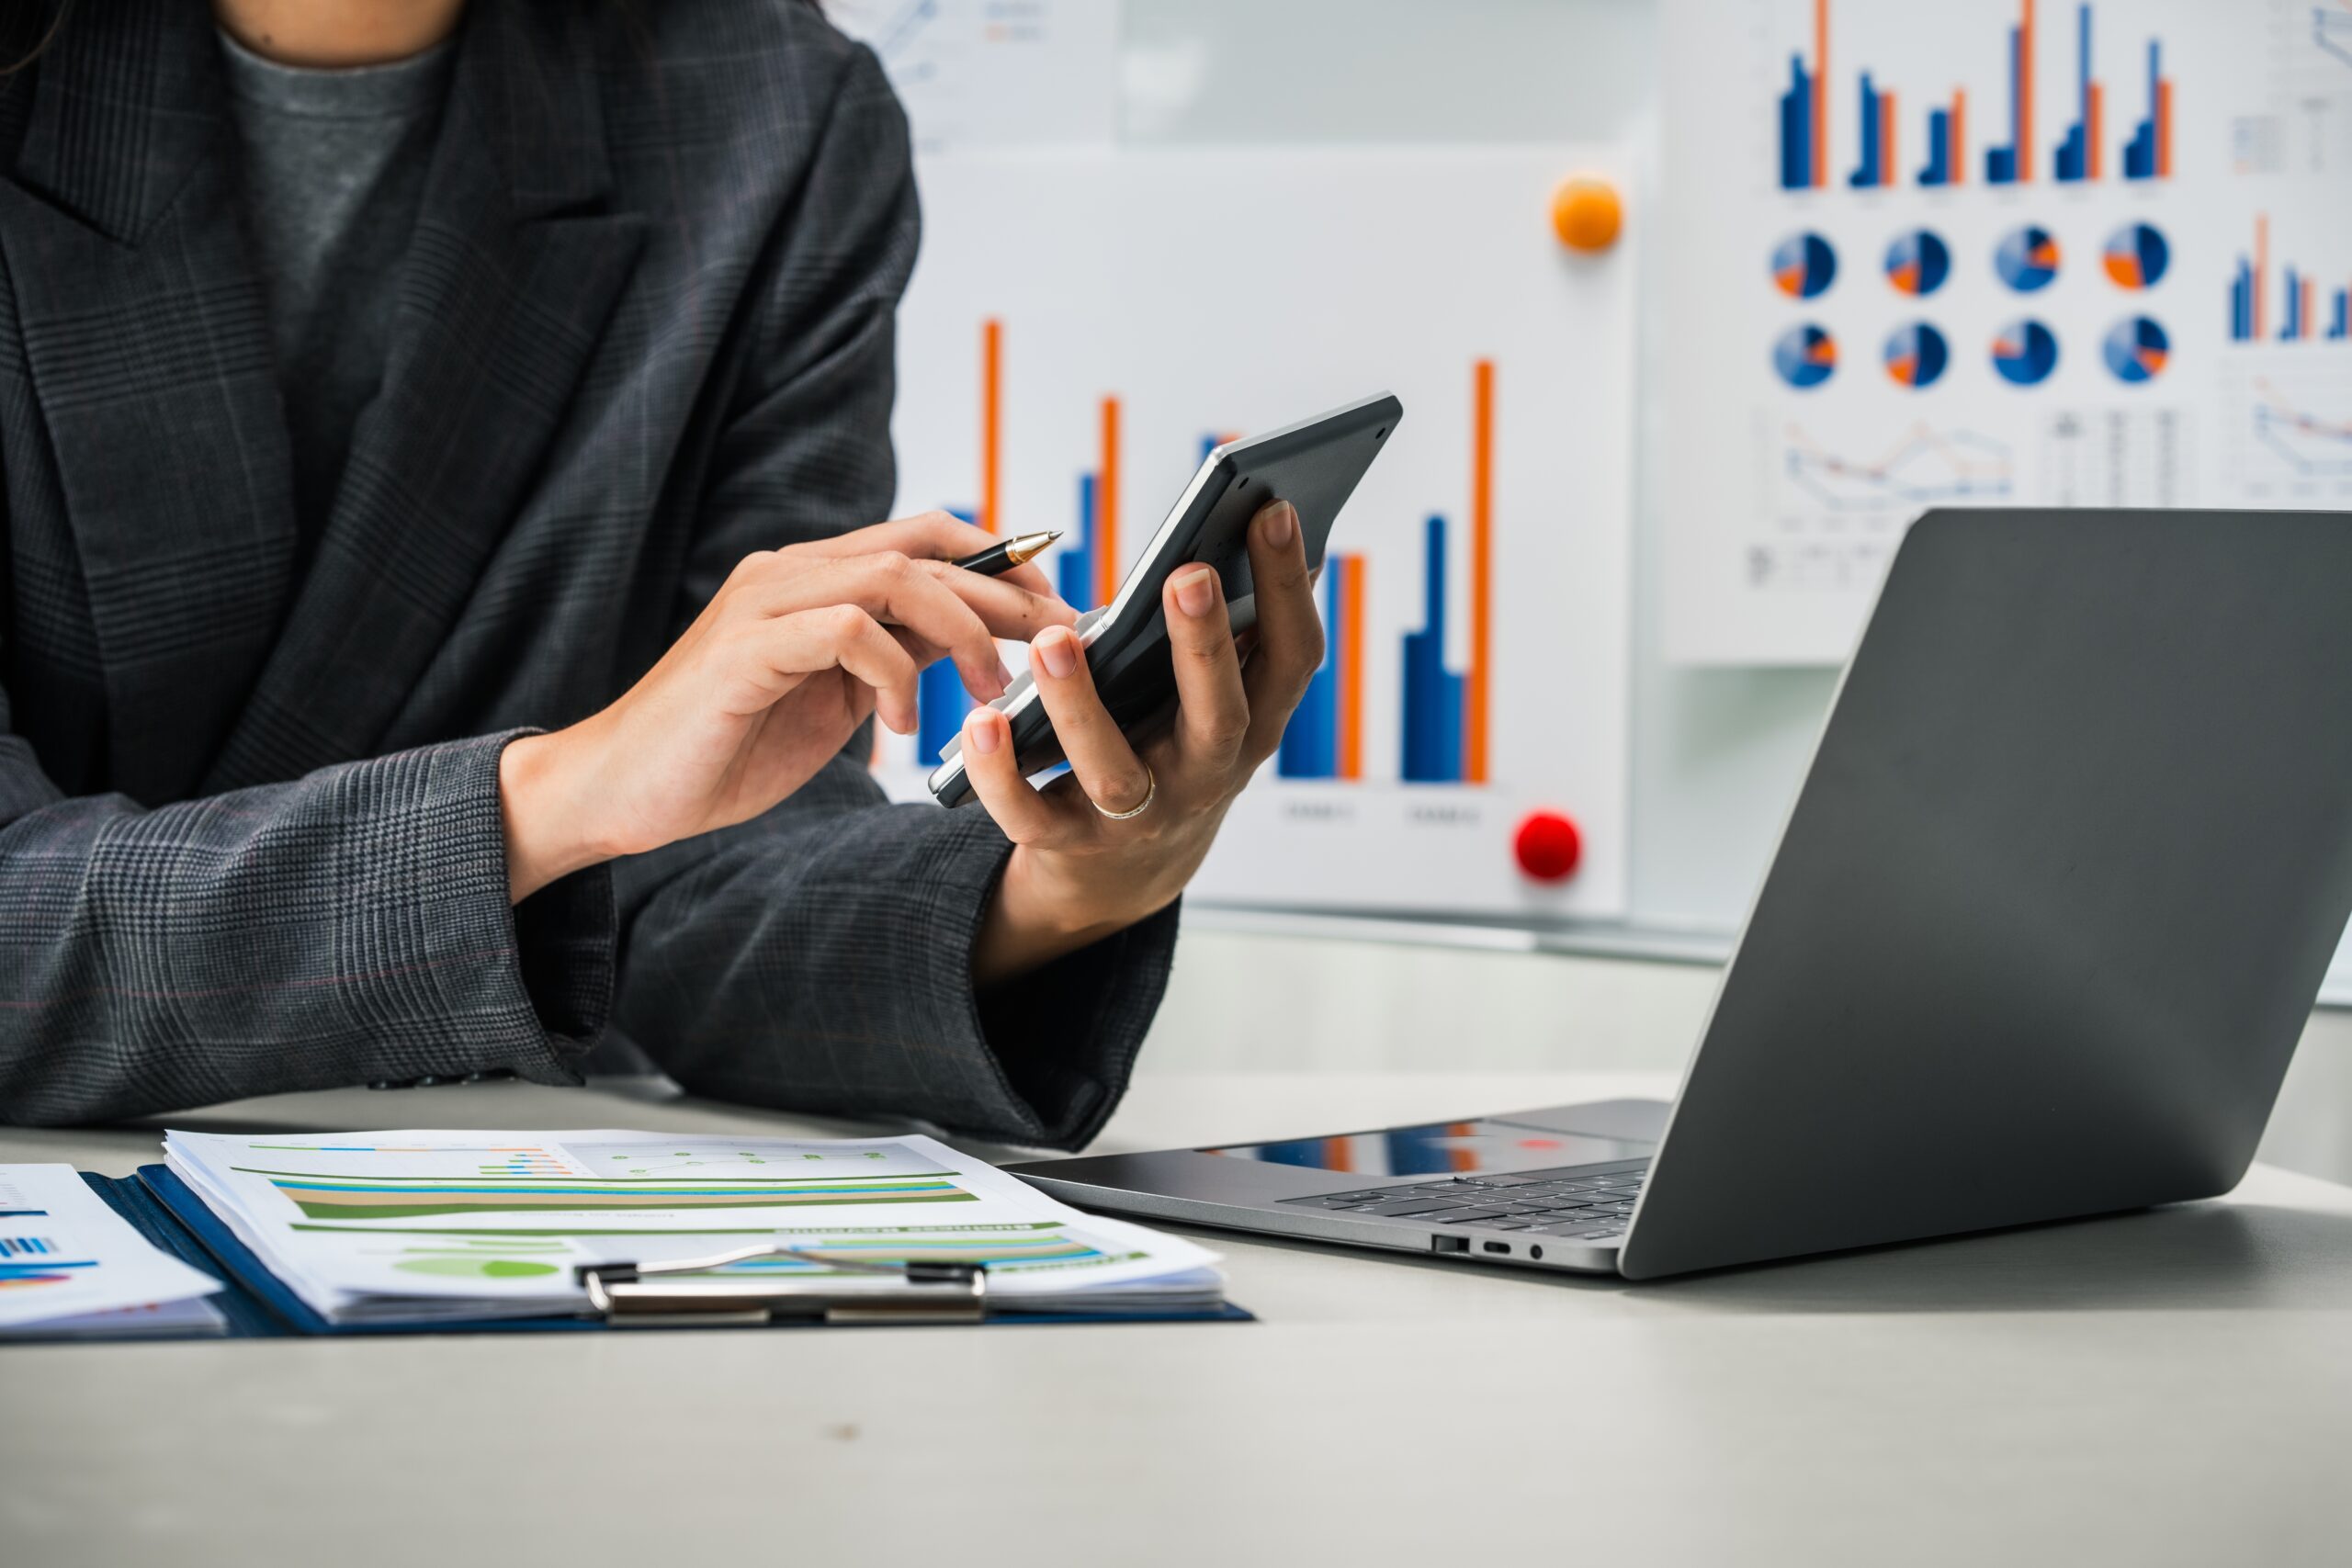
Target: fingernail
(981,733)
(1281,522)
(1195,592)
(1003,675)
(1057,651)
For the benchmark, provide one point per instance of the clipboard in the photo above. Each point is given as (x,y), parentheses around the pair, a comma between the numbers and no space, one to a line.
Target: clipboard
(258,1305)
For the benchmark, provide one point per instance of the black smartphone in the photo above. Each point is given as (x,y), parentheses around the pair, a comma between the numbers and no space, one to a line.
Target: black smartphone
(1315,464)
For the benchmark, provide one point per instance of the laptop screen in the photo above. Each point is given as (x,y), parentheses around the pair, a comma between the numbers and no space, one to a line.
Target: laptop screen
(1438,1148)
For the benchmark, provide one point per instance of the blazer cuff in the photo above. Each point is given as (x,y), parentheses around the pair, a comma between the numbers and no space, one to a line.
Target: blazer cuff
(523,988)
(1067,1034)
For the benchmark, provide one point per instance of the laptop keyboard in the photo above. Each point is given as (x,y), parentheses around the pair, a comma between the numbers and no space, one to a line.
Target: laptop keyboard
(1569,1202)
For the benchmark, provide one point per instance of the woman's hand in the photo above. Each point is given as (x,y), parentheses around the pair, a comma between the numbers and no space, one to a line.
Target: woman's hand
(767,686)
(1078,871)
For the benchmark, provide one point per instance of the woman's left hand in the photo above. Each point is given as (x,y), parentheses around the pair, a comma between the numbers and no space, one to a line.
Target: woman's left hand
(1086,862)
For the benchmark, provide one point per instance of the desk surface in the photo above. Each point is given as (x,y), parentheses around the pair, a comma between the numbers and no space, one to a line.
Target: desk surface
(2170,1387)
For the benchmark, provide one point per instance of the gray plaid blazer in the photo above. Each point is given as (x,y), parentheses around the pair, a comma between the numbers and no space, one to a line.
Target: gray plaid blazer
(249,823)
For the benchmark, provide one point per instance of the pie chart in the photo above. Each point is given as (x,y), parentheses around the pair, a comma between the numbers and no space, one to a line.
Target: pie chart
(1916,355)
(2027,259)
(1804,264)
(2136,256)
(1919,261)
(2025,353)
(1804,356)
(2136,348)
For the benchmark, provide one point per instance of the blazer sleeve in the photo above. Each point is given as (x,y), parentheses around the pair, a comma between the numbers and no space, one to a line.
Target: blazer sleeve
(348,927)
(818,958)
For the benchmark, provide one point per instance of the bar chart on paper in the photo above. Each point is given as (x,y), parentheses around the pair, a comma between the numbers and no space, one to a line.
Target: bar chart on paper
(1987,252)
(1083,328)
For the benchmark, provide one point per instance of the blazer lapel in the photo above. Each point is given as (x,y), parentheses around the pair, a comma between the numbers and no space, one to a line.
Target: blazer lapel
(509,279)
(147,344)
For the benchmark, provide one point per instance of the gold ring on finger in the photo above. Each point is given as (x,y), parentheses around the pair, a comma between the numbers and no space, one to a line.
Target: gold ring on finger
(1150,794)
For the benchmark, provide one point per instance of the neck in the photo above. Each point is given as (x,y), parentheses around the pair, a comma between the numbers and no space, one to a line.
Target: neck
(336,34)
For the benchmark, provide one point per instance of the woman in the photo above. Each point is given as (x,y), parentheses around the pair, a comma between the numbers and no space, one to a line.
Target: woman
(438,440)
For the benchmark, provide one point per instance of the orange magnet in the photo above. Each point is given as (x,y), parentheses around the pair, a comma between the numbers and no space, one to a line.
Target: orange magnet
(1587,214)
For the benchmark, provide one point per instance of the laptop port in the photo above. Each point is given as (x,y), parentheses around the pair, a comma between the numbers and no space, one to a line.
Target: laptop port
(1496,1245)
(1448,1244)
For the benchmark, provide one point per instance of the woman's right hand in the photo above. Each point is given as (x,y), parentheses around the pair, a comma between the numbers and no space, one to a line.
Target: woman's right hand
(765,687)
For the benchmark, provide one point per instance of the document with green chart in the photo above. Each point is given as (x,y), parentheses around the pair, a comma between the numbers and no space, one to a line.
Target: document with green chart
(424,1226)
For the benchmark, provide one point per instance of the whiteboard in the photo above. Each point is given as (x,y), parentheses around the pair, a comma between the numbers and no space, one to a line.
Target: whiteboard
(1122,312)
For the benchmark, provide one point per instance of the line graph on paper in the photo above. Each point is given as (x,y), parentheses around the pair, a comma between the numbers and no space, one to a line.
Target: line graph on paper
(2290,436)
(1922,468)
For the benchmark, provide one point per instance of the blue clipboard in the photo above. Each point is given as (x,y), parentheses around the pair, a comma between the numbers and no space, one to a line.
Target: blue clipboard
(258,1305)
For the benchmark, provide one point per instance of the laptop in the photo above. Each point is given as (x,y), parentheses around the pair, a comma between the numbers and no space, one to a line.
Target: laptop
(2041,932)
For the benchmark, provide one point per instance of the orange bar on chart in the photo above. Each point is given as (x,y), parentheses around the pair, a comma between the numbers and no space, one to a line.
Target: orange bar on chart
(2304,310)
(1887,139)
(1958,132)
(1351,661)
(1105,542)
(1820,95)
(2163,129)
(991,422)
(2025,94)
(1477,712)
(2094,119)
(2261,267)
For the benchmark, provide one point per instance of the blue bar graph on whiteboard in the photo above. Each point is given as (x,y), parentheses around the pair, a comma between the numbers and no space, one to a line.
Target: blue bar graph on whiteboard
(1310,746)
(1797,127)
(1433,692)
(1074,560)
(1870,171)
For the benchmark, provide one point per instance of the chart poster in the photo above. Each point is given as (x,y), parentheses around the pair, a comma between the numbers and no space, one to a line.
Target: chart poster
(1990,252)
(1081,329)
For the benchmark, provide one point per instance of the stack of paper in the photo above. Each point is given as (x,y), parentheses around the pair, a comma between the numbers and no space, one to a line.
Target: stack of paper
(437,1226)
(73,1269)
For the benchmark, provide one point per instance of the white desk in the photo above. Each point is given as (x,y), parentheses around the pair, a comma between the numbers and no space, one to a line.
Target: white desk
(2172,1387)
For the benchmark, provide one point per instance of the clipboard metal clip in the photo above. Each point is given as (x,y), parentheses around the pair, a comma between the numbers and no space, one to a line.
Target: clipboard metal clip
(653,1295)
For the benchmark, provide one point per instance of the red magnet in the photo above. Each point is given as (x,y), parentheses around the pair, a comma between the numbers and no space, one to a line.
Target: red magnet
(1548,846)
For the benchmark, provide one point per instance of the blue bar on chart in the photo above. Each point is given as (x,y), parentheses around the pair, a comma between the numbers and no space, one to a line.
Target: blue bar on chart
(1310,748)
(1796,127)
(2242,303)
(1433,692)
(2077,157)
(1074,560)
(2148,155)
(1325,738)
(1947,144)
(940,704)
(2013,163)
(2292,327)
(1874,168)
(2339,326)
